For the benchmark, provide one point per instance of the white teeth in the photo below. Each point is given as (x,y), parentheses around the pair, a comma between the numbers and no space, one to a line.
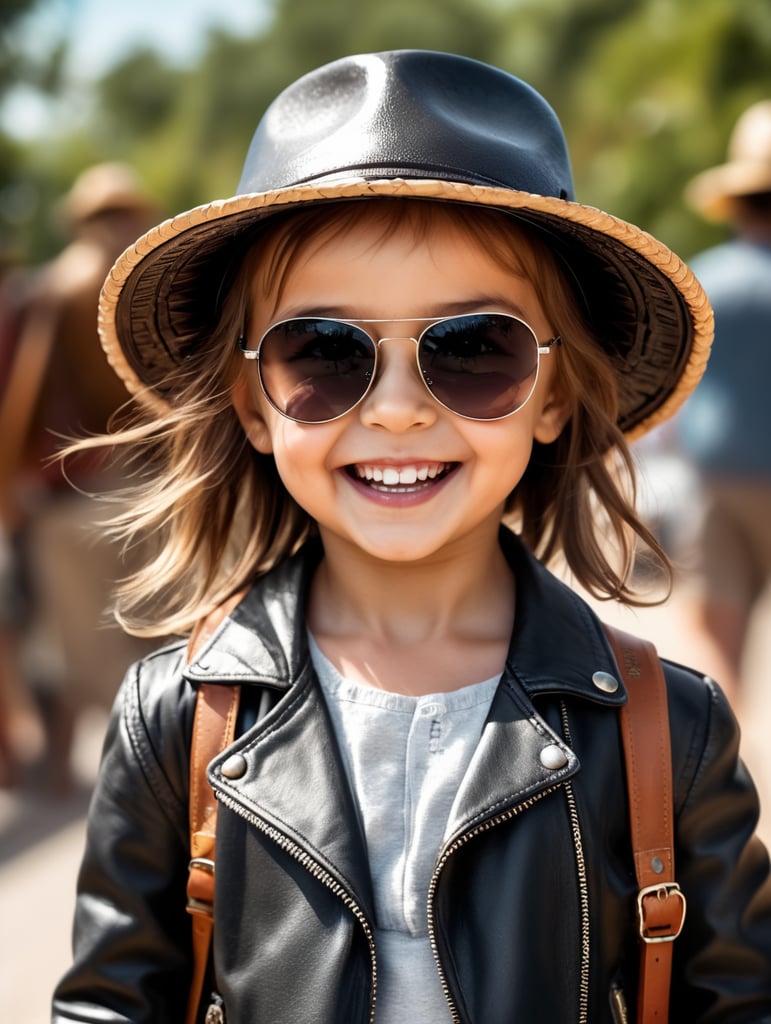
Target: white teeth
(405,476)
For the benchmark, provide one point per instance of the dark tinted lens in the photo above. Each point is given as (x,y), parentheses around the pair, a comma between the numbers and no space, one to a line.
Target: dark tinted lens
(315,370)
(482,365)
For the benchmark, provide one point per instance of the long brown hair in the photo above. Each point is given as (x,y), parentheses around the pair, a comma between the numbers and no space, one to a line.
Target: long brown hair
(215,513)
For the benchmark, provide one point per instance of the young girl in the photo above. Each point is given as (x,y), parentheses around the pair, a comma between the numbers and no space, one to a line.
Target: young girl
(400,332)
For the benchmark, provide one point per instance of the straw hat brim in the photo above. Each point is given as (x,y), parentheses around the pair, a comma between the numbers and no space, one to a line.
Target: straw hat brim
(658,333)
(711,192)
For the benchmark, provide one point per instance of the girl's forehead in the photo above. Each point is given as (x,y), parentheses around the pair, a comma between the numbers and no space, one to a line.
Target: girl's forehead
(402,269)
(359,226)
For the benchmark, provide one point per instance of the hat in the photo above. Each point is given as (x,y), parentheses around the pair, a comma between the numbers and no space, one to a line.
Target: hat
(747,172)
(103,187)
(416,125)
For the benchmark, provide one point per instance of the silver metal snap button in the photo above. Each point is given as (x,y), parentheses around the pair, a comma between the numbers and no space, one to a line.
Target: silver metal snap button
(553,757)
(605,681)
(234,767)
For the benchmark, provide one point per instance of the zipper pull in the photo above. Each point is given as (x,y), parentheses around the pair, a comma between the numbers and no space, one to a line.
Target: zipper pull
(618,1005)
(216,1011)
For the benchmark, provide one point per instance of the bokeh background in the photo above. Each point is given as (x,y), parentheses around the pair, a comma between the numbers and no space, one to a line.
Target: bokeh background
(647,90)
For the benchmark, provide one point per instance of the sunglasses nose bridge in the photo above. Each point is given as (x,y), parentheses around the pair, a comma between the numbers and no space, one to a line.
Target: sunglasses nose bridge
(399,337)
(395,337)
(387,367)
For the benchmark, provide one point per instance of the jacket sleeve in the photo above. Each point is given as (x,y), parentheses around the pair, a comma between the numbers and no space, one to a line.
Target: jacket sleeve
(132,933)
(722,960)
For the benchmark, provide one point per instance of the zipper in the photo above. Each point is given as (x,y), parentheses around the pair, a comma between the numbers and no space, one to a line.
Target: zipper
(317,872)
(453,848)
(583,885)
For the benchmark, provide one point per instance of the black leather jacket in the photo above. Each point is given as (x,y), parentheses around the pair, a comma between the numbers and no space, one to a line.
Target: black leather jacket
(531,908)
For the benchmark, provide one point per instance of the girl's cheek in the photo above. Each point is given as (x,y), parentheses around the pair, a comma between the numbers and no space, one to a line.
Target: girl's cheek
(296,446)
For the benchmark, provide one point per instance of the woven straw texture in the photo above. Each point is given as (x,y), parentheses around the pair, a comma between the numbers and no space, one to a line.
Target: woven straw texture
(652,315)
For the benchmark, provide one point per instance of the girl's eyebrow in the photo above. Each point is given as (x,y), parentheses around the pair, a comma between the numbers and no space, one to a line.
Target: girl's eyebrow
(476,304)
(480,304)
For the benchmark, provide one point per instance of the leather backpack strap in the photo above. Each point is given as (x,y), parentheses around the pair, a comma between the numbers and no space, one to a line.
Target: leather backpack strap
(214,725)
(216,711)
(647,750)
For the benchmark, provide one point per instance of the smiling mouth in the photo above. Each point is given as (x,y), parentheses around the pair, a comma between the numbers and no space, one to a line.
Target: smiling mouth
(400,479)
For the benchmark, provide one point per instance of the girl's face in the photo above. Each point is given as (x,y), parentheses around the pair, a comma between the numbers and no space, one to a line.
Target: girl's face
(454,474)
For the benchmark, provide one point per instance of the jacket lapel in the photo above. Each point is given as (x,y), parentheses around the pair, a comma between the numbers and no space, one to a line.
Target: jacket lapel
(519,757)
(294,787)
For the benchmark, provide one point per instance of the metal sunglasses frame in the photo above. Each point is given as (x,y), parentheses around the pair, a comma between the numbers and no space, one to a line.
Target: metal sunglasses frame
(541,350)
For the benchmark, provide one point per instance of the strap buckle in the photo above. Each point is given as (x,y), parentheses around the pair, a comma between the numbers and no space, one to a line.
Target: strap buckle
(661,912)
(200,886)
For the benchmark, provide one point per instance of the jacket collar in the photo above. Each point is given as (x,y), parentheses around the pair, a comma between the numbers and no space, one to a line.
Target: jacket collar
(557,644)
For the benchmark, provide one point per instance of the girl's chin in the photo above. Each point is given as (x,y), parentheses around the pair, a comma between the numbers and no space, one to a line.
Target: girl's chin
(393,545)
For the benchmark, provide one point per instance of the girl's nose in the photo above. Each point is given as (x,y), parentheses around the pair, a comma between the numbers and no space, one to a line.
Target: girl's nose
(399,400)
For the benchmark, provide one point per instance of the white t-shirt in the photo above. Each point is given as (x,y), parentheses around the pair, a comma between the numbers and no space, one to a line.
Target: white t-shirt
(405,758)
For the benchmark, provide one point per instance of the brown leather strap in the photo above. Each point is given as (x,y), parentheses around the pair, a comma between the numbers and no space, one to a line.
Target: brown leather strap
(214,724)
(214,727)
(647,749)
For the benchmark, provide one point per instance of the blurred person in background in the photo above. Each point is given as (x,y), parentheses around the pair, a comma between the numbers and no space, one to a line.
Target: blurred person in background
(11,689)
(725,427)
(55,382)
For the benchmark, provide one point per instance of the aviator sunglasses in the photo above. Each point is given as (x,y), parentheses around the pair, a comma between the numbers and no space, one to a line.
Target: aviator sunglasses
(481,366)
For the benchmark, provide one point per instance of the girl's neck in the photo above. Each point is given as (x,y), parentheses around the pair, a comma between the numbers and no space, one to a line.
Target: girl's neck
(418,628)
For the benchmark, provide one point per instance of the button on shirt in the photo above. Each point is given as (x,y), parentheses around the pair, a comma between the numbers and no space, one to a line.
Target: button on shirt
(405,758)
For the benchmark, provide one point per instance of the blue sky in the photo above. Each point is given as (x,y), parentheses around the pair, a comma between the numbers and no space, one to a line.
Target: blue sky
(101,31)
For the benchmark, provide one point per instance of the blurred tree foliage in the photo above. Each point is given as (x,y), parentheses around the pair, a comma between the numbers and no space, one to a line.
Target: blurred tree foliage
(26,196)
(10,60)
(647,91)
